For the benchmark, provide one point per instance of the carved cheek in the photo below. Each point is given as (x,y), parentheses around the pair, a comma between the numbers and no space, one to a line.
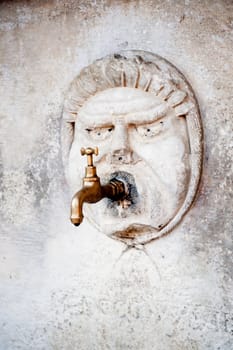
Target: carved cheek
(172,166)
(166,158)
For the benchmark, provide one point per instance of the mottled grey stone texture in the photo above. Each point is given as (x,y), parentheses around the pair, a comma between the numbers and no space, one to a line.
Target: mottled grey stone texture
(63,287)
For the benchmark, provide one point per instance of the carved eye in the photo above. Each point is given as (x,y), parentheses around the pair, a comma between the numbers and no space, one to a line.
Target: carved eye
(150,130)
(100,133)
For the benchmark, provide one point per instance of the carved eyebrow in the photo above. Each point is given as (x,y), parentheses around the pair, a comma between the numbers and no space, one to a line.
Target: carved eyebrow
(148,116)
(151,122)
(91,125)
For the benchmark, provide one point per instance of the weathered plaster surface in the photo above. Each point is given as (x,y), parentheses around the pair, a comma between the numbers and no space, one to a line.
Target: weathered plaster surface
(68,288)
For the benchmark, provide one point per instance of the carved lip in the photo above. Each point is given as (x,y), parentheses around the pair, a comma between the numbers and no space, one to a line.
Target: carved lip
(135,230)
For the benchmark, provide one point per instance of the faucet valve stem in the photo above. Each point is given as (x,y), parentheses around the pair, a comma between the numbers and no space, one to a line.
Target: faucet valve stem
(89,153)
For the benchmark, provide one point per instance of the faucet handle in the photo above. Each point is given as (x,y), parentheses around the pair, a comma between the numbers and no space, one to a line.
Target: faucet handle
(89,153)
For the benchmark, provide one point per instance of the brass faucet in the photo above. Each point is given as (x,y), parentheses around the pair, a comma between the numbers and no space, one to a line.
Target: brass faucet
(93,191)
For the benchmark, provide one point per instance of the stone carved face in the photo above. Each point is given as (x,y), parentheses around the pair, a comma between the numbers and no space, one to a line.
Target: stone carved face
(144,141)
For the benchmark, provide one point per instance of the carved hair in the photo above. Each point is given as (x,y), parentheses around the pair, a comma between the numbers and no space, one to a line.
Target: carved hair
(148,72)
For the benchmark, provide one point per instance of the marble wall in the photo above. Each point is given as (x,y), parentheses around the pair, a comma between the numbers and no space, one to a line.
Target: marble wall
(63,287)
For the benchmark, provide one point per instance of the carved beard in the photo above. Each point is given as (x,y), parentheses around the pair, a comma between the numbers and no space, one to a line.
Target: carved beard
(149,204)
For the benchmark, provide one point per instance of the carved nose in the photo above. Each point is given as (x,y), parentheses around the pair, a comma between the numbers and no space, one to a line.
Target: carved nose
(120,152)
(121,156)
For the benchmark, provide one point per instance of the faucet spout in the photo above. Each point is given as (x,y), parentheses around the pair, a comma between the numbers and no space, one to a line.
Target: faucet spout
(93,192)
(78,199)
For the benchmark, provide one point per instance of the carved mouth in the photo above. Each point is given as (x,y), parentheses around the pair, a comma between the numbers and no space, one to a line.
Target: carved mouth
(135,230)
(131,199)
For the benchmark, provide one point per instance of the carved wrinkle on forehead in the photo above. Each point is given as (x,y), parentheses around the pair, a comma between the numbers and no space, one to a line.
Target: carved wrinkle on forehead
(136,106)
